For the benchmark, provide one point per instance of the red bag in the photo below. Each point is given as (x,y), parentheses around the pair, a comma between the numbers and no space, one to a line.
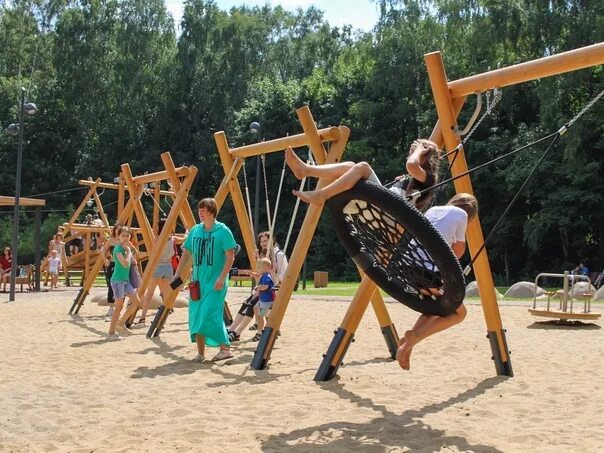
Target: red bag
(195,291)
(175,258)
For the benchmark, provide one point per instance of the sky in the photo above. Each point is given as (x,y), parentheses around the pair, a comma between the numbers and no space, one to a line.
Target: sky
(363,15)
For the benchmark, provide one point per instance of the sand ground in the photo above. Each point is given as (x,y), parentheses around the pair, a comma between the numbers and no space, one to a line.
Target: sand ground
(63,387)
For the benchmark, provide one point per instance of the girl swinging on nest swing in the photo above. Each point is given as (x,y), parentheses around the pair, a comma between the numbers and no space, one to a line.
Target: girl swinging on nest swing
(450,220)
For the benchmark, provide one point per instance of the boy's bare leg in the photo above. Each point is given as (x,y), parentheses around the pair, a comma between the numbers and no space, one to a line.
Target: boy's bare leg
(302,170)
(425,327)
(346,181)
(259,319)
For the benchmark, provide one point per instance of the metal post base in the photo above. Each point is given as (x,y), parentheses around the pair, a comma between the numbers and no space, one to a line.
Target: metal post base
(502,368)
(391,337)
(78,302)
(227,316)
(158,322)
(266,343)
(326,370)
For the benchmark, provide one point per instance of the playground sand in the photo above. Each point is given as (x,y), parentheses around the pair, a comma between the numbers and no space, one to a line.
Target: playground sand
(63,387)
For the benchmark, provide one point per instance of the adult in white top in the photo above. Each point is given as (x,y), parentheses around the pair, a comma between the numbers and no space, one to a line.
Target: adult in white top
(451,221)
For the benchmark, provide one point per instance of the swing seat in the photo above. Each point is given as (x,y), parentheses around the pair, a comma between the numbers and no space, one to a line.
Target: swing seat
(398,248)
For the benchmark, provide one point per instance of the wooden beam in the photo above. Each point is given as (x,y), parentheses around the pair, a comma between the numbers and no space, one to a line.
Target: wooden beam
(186,214)
(10,201)
(159,176)
(107,185)
(572,60)
(295,141)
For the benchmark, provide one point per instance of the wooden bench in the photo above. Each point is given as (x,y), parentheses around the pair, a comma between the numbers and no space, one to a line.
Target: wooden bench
(26,279)
(241,275)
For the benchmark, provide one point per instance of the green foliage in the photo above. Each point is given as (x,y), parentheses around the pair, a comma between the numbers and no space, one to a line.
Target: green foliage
(114,83)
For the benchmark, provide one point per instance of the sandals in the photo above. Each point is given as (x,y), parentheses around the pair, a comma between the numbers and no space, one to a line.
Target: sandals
(233,336)
(223,354)
(198,359)
(253,327)
(140,324)
(257,337)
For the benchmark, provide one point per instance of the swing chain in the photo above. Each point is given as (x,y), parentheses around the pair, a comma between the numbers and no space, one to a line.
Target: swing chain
(564,128)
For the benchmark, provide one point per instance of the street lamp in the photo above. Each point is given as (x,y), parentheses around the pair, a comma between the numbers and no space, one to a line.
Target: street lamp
(28,109)
(255,129)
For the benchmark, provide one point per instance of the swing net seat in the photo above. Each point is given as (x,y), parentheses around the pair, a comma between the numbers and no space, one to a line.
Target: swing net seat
(398,248)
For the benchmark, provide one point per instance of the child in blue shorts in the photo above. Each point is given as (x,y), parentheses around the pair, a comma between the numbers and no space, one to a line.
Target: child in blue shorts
(266,292)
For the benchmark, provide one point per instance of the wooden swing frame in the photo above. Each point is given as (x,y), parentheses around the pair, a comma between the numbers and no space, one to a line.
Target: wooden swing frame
(133,209)
(232,160)
(449,98)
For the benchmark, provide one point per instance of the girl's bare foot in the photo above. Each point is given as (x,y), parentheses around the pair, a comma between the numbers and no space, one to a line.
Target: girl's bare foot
(403,353)
(293,161)
(311,196)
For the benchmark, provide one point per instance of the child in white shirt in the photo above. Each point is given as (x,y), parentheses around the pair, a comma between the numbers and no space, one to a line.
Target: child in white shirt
(54,267)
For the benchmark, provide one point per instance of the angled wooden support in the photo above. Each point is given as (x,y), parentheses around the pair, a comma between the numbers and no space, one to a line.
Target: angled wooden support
(315,142)
(186,214)
(135,190)
(156,249)
(229,166)
(89,195)
(311,220)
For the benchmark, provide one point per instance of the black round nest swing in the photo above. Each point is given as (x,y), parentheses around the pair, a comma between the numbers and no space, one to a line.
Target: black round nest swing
(398,248)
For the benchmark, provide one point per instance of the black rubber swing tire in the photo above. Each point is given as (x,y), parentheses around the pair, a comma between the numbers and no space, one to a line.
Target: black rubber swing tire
(453,284)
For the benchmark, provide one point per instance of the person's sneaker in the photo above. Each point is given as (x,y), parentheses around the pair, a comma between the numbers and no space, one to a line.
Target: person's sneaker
(223,354)
(198,358)
(116,336)
(123,330)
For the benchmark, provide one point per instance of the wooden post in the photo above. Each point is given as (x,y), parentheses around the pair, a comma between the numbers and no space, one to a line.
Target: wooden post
(86,258)
(156,202)
(37,250)
(156,248)
(120,195)
(305,236)
(186,214)
(447,118)
(236,195)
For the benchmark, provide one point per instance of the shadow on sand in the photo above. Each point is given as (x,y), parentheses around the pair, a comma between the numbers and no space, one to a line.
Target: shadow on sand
(405,431)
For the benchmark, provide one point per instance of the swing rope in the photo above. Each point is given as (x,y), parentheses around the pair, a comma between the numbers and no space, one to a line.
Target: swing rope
(309,161)
(267,201)
(247,196)
(272,226)
(556,138)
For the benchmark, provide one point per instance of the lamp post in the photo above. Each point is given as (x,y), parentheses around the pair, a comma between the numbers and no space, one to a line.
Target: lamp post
(14,129)
(255,129)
